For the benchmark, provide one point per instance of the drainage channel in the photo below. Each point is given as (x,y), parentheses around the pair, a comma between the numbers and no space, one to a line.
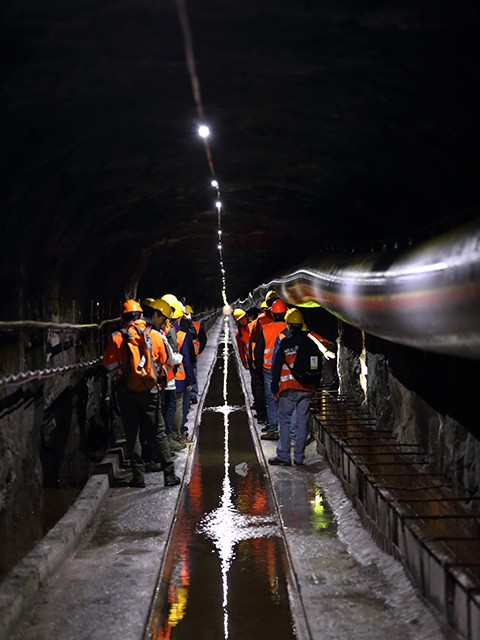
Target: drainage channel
(226,571)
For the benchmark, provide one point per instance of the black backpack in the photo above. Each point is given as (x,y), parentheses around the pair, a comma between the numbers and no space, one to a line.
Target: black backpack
(307,368)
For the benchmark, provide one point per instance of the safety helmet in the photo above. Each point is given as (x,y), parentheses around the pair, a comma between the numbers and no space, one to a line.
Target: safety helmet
(271,294)
(238,314)
(162,306)
(263,305)
(170,298)
(147,302)
(130,306)
(278,307)
(178,310)
(188,309)
(294,316)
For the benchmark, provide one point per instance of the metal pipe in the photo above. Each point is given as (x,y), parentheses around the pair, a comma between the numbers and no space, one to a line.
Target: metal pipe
(426,297)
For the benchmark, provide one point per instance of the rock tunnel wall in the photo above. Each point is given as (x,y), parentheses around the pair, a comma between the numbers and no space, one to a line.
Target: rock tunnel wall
(53,429)
(422,398)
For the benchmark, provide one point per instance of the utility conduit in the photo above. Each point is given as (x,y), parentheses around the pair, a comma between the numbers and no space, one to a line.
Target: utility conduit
(427,297)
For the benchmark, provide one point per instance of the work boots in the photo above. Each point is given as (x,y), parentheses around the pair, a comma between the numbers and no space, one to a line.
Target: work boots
(171,480)
(175,445)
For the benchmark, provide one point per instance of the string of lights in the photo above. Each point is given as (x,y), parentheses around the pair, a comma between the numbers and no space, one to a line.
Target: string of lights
(204,133)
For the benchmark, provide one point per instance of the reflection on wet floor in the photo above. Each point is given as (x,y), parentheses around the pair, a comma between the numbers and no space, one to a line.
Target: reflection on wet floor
(226,570)
(304,507)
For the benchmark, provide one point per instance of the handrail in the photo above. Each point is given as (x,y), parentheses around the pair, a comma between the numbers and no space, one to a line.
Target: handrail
(54,326)
(41,374)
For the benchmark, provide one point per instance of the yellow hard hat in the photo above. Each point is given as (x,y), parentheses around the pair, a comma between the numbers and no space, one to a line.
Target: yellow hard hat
(271,294)
(147,302)
(188,309)
(161,305)
(178,310)
(170,298)
(294,316)
(238,314)
(263,305)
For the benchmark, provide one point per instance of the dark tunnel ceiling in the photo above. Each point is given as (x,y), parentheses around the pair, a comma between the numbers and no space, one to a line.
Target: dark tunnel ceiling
(334,123)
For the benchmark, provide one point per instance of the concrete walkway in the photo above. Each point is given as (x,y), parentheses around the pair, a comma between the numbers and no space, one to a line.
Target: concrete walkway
(348,588)
(95,574)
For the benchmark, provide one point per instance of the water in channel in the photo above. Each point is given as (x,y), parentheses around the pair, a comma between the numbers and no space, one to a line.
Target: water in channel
(226,571)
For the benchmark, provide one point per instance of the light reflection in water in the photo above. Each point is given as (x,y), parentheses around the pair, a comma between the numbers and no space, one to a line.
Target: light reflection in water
(226,562)
(226,526)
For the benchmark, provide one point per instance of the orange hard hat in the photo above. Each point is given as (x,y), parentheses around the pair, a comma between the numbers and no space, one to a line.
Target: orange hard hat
(129,306)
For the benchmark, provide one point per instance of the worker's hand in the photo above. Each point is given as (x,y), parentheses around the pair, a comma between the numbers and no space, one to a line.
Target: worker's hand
(329,355)
(245,366)
(189,387)
(275,396)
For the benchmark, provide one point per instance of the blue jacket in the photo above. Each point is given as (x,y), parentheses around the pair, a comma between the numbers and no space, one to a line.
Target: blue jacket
(190,379)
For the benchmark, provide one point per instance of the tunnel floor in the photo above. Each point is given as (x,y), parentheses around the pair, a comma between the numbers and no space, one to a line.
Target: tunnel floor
(282,550)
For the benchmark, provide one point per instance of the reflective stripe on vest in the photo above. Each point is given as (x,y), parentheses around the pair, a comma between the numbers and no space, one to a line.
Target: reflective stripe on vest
(255,327)
(287,381)
(271,332)
(196,341)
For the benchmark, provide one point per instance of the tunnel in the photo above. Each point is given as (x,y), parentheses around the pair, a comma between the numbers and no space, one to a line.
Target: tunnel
(324,150)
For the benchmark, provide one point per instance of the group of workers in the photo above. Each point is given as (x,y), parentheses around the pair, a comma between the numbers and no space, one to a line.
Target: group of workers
(156,389)
(268,346)
(153,361)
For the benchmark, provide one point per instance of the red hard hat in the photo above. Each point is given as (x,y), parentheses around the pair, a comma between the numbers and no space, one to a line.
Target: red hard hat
(279,307)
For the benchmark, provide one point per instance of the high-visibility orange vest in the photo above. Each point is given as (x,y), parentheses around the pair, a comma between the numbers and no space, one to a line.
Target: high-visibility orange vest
(196,341)
(180,375)
(115,356)
(271,332)
(255,327)
(243,338)
(287,381)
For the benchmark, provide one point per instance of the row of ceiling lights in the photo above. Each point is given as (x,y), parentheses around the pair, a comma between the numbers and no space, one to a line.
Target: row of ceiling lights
(204,132)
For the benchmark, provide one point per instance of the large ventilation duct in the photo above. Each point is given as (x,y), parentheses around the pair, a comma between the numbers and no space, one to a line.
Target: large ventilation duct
(427,297)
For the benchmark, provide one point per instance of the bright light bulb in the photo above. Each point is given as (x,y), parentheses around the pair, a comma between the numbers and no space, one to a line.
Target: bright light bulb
(219,232)
(203,131)
(218,204)
(219,246)
(214,183)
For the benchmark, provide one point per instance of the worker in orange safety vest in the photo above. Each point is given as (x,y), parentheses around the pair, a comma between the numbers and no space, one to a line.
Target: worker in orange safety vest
(137,388)
(292,395)
(263,352)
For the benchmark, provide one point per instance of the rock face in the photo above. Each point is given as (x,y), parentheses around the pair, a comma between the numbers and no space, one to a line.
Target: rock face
(422,399)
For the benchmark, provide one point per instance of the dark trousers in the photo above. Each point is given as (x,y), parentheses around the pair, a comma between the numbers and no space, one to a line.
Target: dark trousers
(141,411)
(169,407)
(258,391)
